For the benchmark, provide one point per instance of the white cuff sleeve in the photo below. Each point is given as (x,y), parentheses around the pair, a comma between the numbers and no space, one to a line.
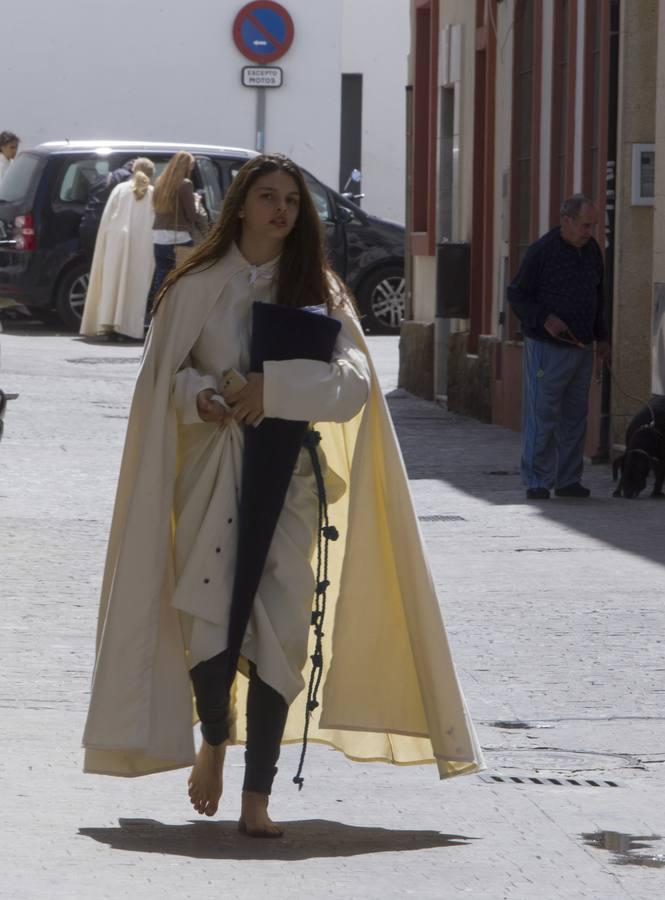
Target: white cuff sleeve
(310,391)
(188,384)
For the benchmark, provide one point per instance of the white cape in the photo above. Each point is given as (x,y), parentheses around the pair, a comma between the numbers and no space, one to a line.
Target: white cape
(390,690)
(122,266)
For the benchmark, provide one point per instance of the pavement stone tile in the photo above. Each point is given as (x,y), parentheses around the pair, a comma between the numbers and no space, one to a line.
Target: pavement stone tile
(554,613)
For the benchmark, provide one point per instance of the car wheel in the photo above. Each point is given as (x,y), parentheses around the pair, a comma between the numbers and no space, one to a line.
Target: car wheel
(382,300)
(71,295)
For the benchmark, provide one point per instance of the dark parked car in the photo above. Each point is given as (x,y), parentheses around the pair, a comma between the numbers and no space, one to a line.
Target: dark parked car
(44,193)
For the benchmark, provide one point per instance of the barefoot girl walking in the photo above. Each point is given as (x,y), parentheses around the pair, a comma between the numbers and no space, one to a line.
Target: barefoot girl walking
(389,688)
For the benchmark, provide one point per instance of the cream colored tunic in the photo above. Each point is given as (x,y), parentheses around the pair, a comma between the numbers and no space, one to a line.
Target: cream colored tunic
(208,485)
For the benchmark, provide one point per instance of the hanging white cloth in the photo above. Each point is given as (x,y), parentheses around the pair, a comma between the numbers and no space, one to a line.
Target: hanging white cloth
(207,488)
(122,266)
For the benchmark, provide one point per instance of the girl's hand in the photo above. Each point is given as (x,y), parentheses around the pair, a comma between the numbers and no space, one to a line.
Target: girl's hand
(247,403)
(210,410)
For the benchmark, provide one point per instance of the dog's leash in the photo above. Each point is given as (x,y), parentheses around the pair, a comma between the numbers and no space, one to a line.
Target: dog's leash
(640,400)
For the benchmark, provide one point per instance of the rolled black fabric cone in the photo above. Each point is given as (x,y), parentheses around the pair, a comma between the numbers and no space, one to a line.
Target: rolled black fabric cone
(271,452)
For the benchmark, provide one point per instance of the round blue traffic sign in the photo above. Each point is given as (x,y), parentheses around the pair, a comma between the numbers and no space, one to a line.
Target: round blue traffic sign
(263,31)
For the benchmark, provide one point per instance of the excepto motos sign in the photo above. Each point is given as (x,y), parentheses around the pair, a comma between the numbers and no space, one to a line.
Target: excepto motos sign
(262,76)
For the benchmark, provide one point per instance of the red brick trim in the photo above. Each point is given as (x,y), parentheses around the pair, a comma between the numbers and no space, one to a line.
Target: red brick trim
(572,81)
(536,105)
(597,189)
(425,118)
(482,232)
(534,119)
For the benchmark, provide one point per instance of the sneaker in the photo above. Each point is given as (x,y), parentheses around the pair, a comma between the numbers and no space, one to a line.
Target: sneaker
(573,490)
(537,494)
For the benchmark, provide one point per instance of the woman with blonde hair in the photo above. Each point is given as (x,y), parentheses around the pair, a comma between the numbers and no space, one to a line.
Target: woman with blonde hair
(122,265)
(185,529)
(176,215)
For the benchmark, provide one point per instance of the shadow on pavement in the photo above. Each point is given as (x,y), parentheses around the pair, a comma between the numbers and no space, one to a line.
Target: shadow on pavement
(304,839)
(483,461)
(25,327)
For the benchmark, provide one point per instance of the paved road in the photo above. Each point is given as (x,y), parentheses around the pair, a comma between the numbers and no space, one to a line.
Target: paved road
(554,611)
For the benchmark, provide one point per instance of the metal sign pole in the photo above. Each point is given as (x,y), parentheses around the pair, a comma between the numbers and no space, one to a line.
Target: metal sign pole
(263,32)
(260,119)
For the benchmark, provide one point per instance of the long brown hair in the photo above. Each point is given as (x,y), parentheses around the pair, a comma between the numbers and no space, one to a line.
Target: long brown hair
(169,182)
(304,276)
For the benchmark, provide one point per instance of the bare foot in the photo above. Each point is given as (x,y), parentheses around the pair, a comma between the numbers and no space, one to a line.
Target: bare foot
(205,781)
(254,818)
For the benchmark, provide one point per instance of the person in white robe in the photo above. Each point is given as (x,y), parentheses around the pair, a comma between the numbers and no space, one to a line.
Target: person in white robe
(391,691)
(123,261)
(208,485)
(8,149)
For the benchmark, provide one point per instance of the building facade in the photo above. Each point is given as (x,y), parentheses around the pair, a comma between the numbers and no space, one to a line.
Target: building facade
(516,105)
(160,73)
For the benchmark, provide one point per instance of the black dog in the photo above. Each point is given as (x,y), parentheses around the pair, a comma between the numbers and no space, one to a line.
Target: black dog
(645,451)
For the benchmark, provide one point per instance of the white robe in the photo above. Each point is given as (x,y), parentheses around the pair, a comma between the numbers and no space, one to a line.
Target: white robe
(658,357)
(208,485)
(389,691)
(122,266)
(4,165)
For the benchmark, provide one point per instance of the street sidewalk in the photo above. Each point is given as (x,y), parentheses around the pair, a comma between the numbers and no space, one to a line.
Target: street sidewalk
(554,611)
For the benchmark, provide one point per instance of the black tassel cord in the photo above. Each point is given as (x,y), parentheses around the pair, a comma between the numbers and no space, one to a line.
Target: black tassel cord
(326,533)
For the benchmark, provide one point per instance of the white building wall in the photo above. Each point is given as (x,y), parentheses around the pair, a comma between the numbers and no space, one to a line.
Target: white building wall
(375,43)
(159,72)
(145,71)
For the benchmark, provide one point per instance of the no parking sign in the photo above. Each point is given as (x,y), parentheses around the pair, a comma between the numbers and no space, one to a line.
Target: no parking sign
(263,31)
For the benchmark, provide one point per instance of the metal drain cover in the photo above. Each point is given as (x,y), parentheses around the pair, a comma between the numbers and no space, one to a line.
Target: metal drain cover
(547,781)
(104,360)
(441,519)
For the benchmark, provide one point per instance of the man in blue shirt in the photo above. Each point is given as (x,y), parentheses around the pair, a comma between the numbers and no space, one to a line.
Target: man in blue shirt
(558,297)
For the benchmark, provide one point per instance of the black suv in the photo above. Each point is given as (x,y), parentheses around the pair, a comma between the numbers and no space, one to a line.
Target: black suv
(44,193)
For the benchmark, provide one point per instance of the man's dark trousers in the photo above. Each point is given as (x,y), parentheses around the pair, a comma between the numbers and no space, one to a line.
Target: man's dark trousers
(555,403)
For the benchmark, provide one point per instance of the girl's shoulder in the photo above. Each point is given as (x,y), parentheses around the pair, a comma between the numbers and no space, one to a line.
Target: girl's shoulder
(212,276)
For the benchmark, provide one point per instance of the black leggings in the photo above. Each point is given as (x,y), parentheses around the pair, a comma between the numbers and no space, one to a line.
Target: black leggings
(266,718)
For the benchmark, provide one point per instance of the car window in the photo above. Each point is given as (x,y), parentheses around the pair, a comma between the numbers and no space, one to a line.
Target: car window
(79,177)
(19,177)
(212,192)
(320,197)
(160,165)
